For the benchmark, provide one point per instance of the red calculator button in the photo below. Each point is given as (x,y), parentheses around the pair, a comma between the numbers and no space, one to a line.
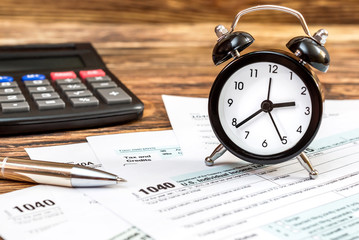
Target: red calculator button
(92,73)
(62,75)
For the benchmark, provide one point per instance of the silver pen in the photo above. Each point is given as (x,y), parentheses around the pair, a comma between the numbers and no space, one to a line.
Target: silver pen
(52,173)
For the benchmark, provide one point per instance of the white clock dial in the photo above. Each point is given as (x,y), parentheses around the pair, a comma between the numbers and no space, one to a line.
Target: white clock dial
(265,108)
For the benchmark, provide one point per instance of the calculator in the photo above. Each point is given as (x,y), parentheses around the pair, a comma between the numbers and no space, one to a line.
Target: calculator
(49,87)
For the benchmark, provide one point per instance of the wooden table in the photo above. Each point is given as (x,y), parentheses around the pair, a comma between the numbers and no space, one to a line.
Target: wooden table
(175,59)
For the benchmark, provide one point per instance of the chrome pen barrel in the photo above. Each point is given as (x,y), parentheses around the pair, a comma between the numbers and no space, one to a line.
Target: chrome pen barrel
(53,173)
(36,171)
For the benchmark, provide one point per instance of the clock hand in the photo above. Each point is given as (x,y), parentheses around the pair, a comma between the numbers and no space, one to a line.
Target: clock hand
(284,104)
(249,118)
(270,83)
(270,115)
(267,108)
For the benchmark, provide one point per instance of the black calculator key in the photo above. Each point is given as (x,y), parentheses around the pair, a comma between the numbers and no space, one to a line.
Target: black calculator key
(84,102)
(12,98)
(103,85)
(41,89)
(36,83)
(50,104)
(45,96)
(8,84)
(73,87)
(114,95)
(9,91)
(76,94)
(98,79)
(15,107)
(68,81)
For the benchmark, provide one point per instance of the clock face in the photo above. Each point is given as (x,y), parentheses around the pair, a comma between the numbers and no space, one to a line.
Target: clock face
(265,108)
(268,109)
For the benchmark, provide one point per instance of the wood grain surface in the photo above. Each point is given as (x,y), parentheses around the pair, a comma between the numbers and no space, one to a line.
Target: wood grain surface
(155,59)
(174,11)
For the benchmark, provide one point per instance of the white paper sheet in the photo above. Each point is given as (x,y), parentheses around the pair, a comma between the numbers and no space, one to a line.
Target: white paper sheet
(79,153)
(46,212)
(132,148)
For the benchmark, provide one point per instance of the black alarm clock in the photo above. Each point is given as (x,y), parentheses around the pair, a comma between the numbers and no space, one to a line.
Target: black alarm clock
(266,107)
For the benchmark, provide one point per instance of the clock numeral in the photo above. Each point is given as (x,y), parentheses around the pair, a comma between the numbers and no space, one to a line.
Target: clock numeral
(247,133)
(273,68)
(307,112)
(230,102)
(238,85)
(299,129)
(264,143)
(234,121)
(284,140)
(291,75)
(254,72)
(304,92)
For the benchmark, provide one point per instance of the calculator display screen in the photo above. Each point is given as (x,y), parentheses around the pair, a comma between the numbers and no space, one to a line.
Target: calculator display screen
(41,63)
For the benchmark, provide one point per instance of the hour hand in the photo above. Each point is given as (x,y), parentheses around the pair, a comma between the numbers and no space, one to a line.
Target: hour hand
(284,104)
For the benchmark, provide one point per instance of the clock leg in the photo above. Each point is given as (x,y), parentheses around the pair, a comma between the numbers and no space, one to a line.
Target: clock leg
(304,161)
(218,151)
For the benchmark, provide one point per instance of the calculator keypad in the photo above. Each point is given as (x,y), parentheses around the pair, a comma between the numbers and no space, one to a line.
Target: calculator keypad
(63,88)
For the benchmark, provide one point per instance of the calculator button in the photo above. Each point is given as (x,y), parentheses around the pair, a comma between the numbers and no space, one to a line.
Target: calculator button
(15,107)
(45,96)
(35,83)
(6,79)
(103,85)
(41,89)
(62,75)
(31,77)
(114,95)
(76,94)
(68,81)
(50,104)
(8,84)
(9,91)
(73,87)
(98,79)
(84,102)
(91,73)
(12,98)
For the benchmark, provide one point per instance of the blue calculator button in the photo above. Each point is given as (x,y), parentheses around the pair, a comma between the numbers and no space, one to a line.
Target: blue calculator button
(6,79)
(31,77)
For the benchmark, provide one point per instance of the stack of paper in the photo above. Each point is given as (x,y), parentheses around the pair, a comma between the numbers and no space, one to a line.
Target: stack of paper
(172,194)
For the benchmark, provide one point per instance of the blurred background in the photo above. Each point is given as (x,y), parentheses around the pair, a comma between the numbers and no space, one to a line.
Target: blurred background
(173,11)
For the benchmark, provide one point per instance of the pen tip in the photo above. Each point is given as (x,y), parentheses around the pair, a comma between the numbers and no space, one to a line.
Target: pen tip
(119,180)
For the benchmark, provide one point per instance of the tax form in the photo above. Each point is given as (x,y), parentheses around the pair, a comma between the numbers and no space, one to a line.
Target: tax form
(47,212)
(248,201)
(91,221)
(135,148)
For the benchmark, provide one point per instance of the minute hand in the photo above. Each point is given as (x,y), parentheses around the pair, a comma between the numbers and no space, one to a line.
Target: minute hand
(249,118)
(284,104)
